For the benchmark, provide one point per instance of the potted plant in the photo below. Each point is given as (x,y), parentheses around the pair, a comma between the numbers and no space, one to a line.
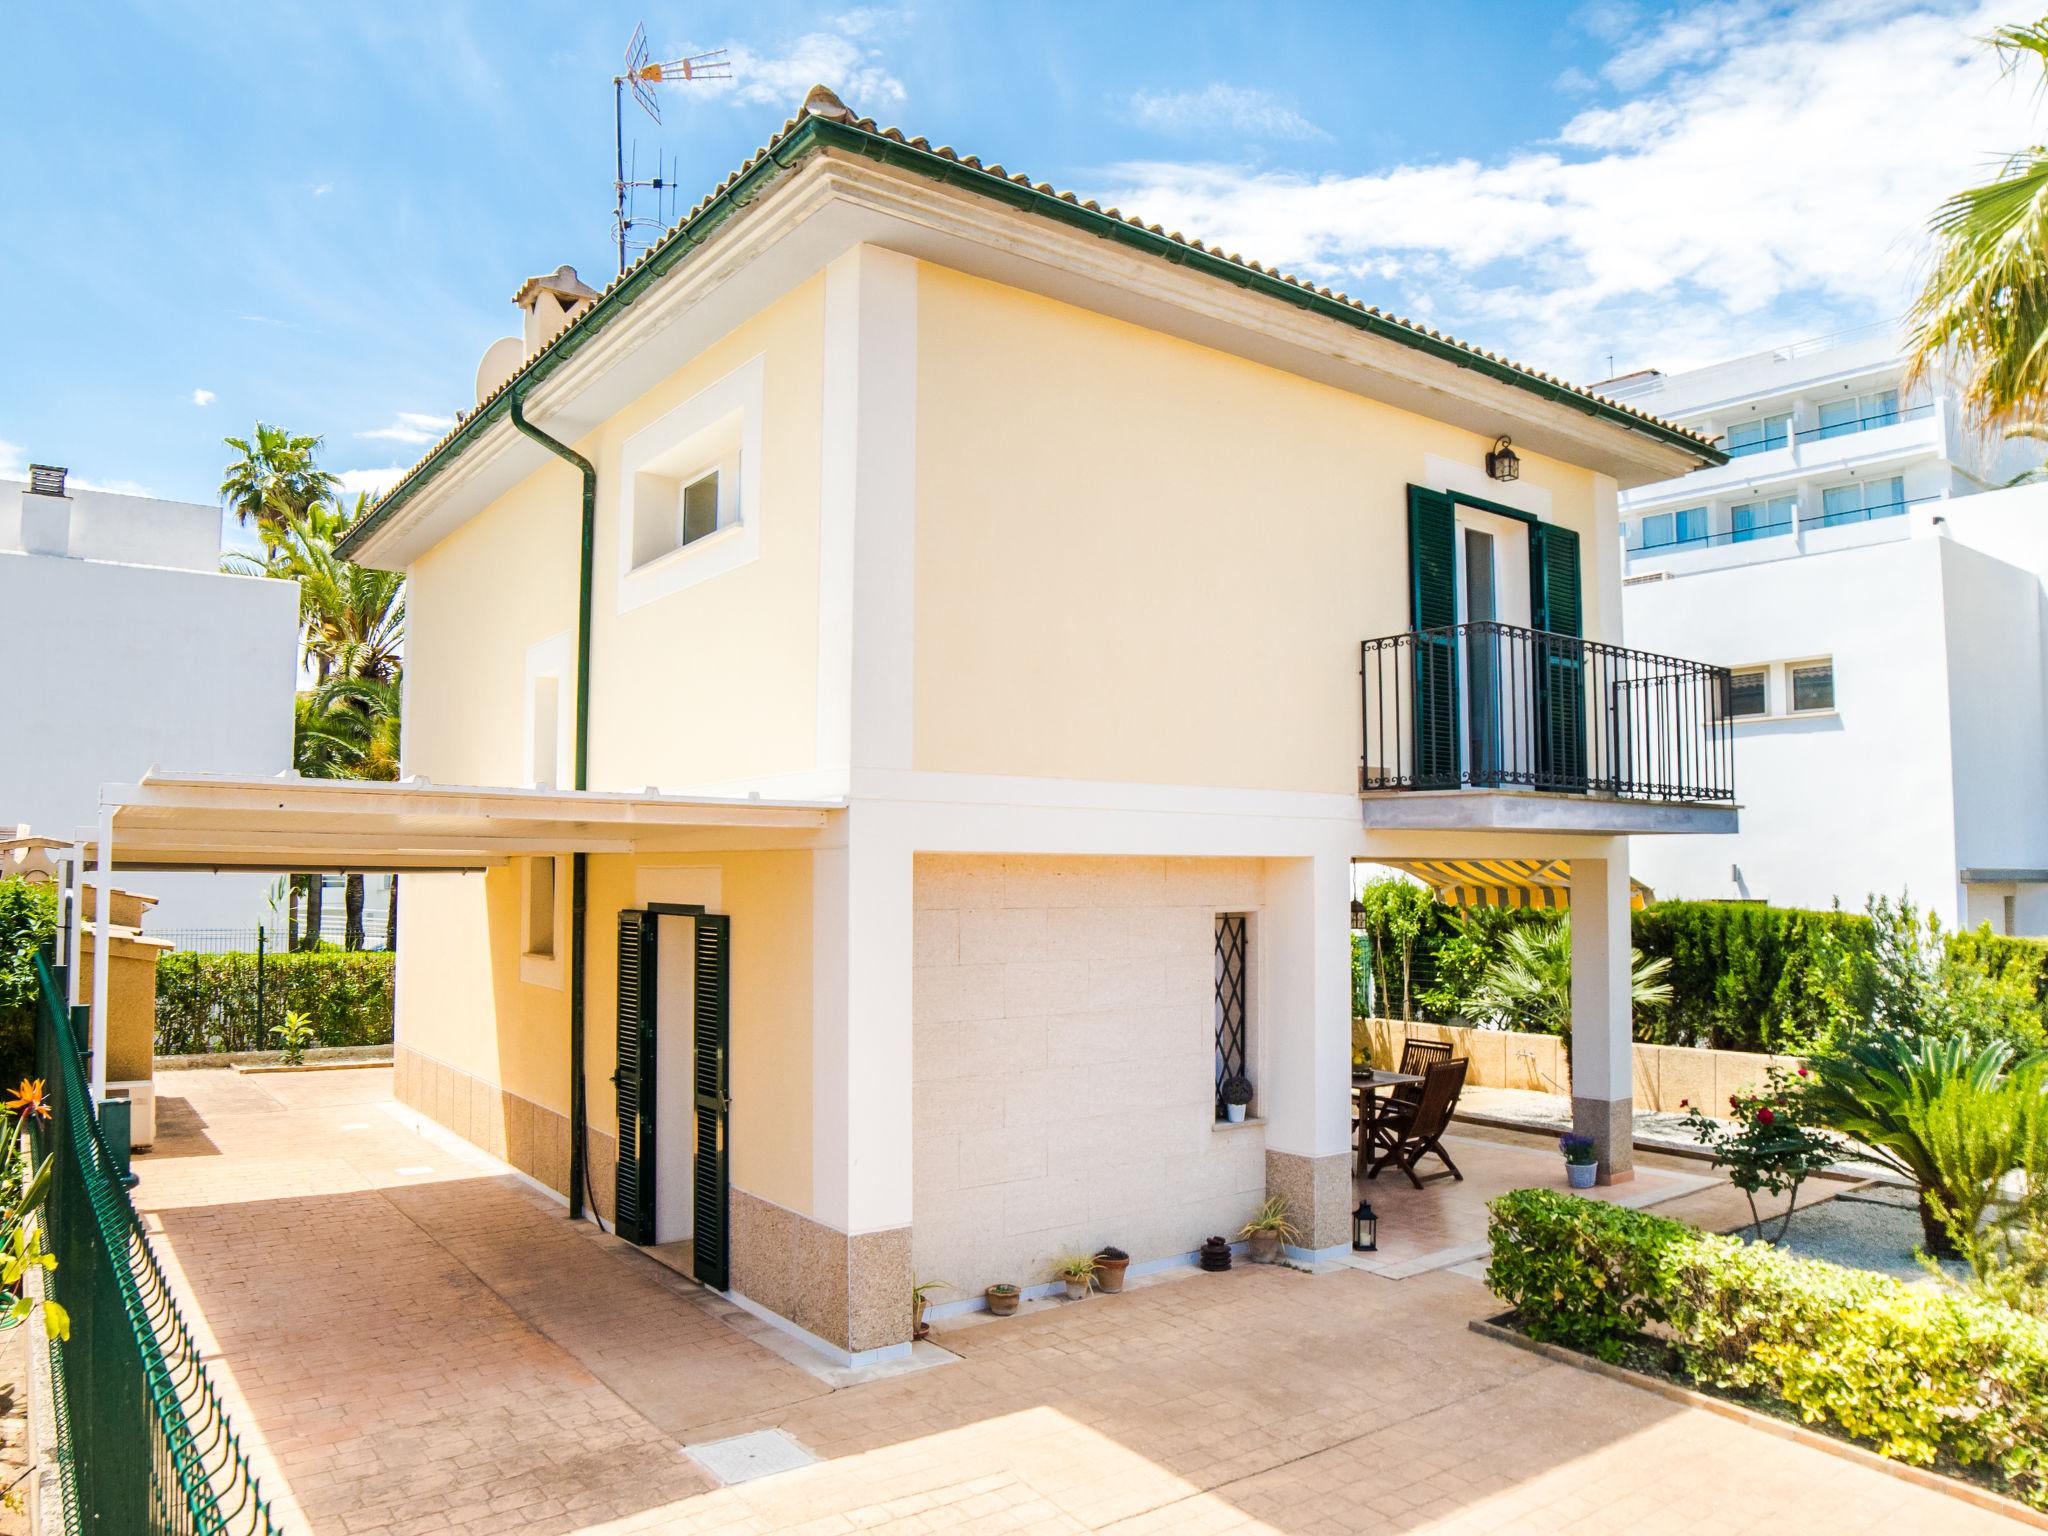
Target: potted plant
(1110,1264)
(1581,1160)
(1002,1299)
(1268,1229)
(1078,1270)
(920,1298)
(1236,1094)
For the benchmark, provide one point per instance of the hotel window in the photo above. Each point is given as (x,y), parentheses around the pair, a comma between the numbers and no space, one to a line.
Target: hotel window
(1688,525)
(1761,435)
(1761,519)
(1749,692)
(1813,686)
(1862,502)
(1838,418)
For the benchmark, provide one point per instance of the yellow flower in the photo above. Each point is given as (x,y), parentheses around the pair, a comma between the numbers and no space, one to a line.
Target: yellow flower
(28,1099)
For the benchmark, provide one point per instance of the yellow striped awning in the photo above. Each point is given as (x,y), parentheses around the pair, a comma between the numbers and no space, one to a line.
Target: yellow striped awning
(1526,885)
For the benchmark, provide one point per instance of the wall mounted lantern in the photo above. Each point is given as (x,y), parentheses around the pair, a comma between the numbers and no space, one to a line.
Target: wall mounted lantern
(1502,463)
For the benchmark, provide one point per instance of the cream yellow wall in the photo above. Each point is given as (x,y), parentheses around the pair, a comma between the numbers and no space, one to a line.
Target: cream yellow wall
(460,998)
(714,682)
(468,1008)
(1141,560)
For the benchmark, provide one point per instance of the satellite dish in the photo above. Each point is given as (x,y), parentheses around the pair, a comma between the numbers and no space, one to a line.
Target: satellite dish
(501,360)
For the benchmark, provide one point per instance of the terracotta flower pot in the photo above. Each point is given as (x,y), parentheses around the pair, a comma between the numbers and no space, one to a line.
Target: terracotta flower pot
(1109,1272)
(1265,1247)
(1002,1300)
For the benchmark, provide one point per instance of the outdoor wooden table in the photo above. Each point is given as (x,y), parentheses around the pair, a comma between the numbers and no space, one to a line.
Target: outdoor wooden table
(1366,1086)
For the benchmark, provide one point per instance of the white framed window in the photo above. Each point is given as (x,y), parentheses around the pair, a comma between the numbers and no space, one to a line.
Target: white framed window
(1760,435)
(542,889)
(1749,692)
(550,714)
(1666,530)
(1765,519)
(688,498)
(1862,501)
(1858,413)
(1810,686)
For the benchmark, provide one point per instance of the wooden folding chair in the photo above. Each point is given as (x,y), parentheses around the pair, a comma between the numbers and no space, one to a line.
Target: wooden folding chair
(1422,1133)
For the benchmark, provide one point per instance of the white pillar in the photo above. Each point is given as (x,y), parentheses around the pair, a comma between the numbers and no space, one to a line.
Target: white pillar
(1603,1065)
(102,951)
(1301,1025)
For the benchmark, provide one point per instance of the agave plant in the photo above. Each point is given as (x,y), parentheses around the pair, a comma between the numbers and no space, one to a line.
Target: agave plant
(1891,1093)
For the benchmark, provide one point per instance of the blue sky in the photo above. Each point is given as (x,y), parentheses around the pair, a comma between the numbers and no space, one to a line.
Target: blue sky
(316,215)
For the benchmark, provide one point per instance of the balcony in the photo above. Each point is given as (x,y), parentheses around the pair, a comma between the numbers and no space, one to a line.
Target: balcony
(1493,725)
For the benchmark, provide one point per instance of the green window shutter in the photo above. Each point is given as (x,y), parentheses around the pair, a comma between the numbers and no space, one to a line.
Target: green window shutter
(1433,610)
(1557,608)
(633,1210)
(710,1085)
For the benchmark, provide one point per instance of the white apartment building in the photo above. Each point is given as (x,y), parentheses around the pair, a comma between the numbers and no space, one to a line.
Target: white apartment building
(128,646)
(1878,596)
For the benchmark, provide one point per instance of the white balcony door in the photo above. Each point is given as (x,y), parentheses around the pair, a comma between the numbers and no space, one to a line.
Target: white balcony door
(1493,589)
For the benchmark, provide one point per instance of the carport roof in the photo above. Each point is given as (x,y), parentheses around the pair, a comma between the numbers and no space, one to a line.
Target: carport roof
(172,821)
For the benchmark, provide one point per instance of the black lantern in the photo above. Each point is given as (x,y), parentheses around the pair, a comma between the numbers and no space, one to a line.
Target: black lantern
(1501,463)
(1365,1229)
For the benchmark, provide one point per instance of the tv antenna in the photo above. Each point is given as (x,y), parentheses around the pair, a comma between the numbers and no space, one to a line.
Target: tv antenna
(642,75)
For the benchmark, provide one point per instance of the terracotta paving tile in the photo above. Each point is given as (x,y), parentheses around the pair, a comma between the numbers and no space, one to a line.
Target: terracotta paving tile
(444,1353)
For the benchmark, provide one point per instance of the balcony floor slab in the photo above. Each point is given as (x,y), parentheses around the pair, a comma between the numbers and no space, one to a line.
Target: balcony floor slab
(1481,810)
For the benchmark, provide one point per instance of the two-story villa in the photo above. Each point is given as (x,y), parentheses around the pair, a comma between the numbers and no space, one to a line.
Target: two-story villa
(1878,598)
(940,647)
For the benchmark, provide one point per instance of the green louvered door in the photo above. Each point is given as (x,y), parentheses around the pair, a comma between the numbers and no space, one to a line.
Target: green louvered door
(711,1086)
(635,1078)
(1557,609)
(1433,614)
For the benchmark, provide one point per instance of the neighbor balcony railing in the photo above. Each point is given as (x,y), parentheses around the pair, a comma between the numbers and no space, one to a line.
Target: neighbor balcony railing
(1496,706)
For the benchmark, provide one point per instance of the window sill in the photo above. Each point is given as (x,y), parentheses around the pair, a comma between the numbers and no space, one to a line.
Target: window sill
(1237,1125)
(669,558)
(1797,714)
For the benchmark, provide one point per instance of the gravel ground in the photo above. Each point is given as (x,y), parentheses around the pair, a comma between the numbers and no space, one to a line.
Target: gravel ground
(1874,1228)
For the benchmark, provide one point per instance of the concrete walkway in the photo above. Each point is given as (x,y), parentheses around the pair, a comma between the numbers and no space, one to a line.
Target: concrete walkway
(415,1343)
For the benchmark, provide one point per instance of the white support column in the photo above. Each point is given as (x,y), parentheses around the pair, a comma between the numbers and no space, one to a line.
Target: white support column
(102,951)
(1302,1012)
(1603,1066)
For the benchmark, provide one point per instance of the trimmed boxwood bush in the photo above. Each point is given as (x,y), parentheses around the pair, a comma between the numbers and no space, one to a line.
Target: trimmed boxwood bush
(1924,1376)
(208,1002)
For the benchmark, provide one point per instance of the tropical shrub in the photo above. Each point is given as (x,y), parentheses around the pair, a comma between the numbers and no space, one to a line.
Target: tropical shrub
(1977,1136)
(28,921)
(208,1002)
(1529,986)
(1879,1092)
(1923,1376)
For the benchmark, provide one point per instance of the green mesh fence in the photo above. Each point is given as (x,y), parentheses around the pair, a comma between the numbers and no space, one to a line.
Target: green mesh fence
(143,1441)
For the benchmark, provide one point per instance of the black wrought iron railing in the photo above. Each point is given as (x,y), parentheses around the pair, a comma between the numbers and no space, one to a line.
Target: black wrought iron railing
(1496,706)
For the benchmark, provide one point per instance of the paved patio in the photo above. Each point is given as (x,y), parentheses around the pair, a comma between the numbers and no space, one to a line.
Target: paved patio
(416,1343)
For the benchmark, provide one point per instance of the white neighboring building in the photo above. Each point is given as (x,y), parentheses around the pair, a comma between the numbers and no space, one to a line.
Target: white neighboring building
(128,646)
(1884,623)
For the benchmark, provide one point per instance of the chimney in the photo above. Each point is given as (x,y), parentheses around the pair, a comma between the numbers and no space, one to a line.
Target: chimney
(551,302)
(45,512)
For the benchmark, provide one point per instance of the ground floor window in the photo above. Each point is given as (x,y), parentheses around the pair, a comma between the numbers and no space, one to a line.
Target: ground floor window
(1813,686)
(1749,691)
(1233,995)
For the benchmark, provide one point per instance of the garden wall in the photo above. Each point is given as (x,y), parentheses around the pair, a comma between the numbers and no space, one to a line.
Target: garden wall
(1667,1077)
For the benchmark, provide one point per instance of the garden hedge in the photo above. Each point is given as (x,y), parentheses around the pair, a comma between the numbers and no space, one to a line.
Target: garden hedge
(1923,1376)
(207,1002)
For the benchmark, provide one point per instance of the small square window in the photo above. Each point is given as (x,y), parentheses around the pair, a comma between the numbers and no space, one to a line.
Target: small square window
(671,512)
(1813,686)
(700,507)
(1749,692)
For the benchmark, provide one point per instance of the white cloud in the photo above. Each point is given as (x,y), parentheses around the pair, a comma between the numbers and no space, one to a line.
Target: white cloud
(370,482)
(321,189)
(14,466)
(411,427)
(845,55)
(1218,109)
(203,397)
(13,462)
(1773,180)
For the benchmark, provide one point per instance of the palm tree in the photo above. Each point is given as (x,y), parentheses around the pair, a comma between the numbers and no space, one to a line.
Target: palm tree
(351,618)
(274,480)
(1530,985)
(1983,309)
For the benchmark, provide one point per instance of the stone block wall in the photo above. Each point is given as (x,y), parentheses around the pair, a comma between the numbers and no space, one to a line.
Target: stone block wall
(1063,1016)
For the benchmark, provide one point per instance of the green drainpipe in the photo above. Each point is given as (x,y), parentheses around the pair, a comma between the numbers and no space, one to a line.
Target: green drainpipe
(579,875)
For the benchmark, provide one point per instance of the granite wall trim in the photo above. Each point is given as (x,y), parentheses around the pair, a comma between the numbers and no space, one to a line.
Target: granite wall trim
(1318,1195)
(852,1292)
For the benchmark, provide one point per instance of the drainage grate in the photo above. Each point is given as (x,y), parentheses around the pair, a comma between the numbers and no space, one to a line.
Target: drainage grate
(743,1458)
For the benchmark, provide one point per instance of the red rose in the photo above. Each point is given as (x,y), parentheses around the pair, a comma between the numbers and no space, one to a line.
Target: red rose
(1803,1072)
(1685,1103)
(1764,1117)
(1732,1104)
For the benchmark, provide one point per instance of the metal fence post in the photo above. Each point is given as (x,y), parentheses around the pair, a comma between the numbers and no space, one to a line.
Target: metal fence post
(260,1036)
